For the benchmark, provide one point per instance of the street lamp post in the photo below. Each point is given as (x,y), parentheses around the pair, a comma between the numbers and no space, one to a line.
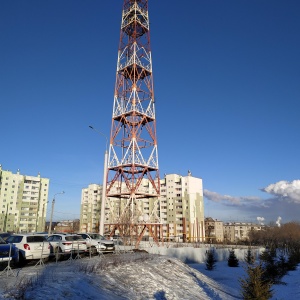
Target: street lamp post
(52,209)
(103,202)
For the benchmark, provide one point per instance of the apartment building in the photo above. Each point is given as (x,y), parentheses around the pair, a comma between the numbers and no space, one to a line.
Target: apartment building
(213,230)
(180,207)
(23,202)
(90,209)
(235,231)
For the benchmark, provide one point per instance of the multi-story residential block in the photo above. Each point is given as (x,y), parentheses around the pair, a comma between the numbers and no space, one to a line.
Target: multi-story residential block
(23,202)
(182,208)
(179,209)
(236,231)
(91,198)
(213,230)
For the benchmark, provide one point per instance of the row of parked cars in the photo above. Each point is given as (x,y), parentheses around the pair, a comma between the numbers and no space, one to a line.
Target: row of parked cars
(21,248)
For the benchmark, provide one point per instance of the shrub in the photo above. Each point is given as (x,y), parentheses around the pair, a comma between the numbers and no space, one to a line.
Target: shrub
(232,259)
(255,286)
(249,257)
(210,260)
(282,266)
(293,258)
(274,268)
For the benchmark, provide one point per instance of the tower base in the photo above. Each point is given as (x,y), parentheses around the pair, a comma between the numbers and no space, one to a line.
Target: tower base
(136,232)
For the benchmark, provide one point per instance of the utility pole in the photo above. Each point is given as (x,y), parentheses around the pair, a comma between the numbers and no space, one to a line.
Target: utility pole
(5,218)
(43,218)
(103,202)
(52,209)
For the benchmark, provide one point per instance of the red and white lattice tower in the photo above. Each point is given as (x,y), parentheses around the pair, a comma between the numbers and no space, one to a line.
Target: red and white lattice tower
(132,170)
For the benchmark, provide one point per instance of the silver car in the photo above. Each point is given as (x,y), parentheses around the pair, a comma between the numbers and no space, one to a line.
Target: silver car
(66,245)
(98,243)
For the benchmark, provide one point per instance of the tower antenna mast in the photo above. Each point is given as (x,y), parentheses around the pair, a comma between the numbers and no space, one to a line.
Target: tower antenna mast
(132,171)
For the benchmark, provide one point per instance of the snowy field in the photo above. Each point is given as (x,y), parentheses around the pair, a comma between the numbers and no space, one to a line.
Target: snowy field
(229,278)
(137,276)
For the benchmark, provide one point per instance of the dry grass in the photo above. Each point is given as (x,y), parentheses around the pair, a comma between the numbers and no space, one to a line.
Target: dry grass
(25,283)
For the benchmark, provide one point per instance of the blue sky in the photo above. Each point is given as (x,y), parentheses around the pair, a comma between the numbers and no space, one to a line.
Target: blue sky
(227,88)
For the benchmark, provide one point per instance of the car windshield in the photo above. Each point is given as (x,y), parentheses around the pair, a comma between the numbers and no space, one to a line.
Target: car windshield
(96,236)
(5,235)
(73,238)
(36,239)
(14,239)
(2,240)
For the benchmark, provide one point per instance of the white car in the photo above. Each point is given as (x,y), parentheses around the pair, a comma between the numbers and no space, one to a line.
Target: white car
(97,243)
(66,244)
(117,239)
(31,247)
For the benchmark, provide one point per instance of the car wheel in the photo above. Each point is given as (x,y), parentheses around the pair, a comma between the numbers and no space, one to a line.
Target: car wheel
(46,259)
(94,250)
(15,260)
(58,255)
(22,261)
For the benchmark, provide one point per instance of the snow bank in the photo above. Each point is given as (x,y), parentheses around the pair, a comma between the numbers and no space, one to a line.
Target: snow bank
(131,276)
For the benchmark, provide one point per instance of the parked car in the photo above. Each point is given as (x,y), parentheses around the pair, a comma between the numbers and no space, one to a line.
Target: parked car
(45,234)
(8,252)
(5,235)
(117,240)
(97,243)
(31,247)
(66,244)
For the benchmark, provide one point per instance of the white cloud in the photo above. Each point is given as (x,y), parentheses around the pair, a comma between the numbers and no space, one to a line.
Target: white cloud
(283,198)
(285,189)
(227,199)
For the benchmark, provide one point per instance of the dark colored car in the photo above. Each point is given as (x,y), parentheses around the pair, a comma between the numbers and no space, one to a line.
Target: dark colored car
(5,235)
(8,252)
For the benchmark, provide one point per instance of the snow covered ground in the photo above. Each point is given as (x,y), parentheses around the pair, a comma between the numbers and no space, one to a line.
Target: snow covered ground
(135,276)
(229,277)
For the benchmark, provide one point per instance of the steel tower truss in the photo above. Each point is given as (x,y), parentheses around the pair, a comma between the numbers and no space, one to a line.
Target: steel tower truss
(132,171)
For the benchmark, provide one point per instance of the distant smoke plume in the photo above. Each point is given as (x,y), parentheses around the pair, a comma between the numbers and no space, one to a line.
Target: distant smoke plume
(278,221)
(260,220)
(285,189)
